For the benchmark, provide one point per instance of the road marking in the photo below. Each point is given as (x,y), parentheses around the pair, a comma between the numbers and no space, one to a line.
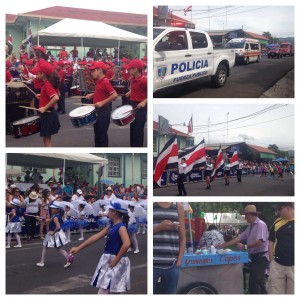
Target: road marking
(63,285)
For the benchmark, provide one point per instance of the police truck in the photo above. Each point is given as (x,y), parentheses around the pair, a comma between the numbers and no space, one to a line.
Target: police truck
(181,55)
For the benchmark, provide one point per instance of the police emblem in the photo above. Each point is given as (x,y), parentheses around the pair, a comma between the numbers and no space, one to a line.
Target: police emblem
(161,72)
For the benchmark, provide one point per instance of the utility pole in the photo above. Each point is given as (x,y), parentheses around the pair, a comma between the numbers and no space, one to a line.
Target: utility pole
(227,126)
(208,130)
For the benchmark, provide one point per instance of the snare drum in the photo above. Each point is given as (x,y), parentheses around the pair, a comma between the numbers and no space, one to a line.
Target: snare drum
(123,115)
(120,86)
(84,115)
(26,126)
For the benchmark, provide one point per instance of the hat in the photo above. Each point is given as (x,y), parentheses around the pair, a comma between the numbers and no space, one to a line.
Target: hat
(136,63)
(15,202)
(25,56)
(29,62)
(119,205)
(42,49)
(98,65)
(283,204)
(13,186)
(124,59)
(33,195)
(109,189)
(45,67)
(55,204)
(79,191)
(60,63)
(251,209)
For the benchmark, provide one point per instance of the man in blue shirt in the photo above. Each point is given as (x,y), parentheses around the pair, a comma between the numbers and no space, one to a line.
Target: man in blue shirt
(67,191)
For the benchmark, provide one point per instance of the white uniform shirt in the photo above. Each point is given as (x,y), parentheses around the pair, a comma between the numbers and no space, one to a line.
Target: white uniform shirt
(182,168)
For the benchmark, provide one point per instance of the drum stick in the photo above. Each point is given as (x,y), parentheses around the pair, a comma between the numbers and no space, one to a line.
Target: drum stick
(32,108)
(132,110)
(86,104)
(30,90)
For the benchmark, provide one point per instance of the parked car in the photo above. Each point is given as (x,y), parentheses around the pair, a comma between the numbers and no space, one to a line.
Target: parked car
(275,52)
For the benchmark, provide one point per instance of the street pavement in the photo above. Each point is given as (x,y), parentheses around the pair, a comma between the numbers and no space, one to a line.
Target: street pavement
(250,186)
(69,136)
(24,277)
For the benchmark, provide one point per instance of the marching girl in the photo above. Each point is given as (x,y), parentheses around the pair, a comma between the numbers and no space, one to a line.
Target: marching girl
(44,212)
(103,217)
(14,225)
(81,221)
(132,228)
(138,99)
(47,100)
(56,237)
(112,274)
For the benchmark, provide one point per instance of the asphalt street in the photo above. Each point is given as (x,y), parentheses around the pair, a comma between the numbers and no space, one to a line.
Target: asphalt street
(24,277)
(250,186)
(69,136)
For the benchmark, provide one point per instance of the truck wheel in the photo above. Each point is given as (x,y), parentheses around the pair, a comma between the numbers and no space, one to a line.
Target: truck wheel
(199,288)
(219,79)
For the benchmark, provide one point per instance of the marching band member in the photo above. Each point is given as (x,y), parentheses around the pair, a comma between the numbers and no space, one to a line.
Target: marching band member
(227,167)
(138,99)
(207,173)
(61,101)
(125,78)
(104,94)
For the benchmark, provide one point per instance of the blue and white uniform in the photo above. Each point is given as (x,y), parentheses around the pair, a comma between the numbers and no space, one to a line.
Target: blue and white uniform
(116,279)
(14,225)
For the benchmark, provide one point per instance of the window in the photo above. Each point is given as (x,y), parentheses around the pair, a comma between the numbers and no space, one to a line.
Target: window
(175,40)
(254,46)
(199,40)
(144,168)
(114,166)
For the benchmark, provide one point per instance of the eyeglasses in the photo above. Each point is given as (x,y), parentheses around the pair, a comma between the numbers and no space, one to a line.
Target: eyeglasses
(17,191)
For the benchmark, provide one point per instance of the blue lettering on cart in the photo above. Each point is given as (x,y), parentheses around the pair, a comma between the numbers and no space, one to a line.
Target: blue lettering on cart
(189,66)
(190,76)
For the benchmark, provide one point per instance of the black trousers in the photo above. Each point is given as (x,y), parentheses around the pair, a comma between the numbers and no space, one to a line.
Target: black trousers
(180,185)
(239,175)
(257,280)
(30,225)
(101,127)
(137,126)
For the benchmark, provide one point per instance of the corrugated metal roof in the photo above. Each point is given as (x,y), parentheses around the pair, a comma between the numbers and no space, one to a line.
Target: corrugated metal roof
(171,130)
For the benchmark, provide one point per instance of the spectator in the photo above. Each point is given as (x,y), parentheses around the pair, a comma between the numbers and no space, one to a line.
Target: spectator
(211,237)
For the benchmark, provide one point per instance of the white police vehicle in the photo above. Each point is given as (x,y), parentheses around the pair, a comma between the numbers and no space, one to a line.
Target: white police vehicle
(181,55)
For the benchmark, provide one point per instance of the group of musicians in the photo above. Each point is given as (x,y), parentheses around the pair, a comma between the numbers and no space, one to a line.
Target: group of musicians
(49,78)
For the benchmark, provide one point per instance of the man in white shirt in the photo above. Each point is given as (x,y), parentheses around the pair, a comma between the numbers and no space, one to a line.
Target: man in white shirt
(181,176)
(78,196)
(239,171)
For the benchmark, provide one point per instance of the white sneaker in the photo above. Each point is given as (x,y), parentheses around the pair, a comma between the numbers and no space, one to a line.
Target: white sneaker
(144,232)
(7,247)
(81,239)
(129,250)
(18,246)
(136,251)
(40,264)
(68,264)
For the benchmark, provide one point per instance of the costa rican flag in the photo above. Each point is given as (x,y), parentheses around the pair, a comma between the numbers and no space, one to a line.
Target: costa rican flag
(219,164)
(167,159)
(189,8)
(10,41)
(190,125)
(234,160)
(195,157)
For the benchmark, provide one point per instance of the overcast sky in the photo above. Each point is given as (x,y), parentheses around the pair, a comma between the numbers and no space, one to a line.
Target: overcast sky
(133,6)
(278,20)
(260,130)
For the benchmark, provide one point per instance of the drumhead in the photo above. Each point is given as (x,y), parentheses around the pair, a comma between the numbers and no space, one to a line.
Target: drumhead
(25,120)
(81,111)
(121,112)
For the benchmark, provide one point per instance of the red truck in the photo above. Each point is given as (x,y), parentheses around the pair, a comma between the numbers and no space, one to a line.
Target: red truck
(287,48)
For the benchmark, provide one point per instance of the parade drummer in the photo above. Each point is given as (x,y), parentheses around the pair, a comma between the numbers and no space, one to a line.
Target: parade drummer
(47,100)
(104,94)
(63,53)
(8,76)
(125,78)
(61,72)
(110,71)
(138,99)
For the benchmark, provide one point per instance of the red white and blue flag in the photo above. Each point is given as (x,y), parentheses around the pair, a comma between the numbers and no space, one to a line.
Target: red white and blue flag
(190,125)
(234,160)
(10,41)
(219,164)
(195,157)
(167,159)
(186,10)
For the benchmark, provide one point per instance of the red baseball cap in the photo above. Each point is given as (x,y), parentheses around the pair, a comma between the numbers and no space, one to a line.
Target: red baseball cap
(60,63)
(43,67)
(29,62)
(24,56)
(136,63)
(98,65)
(124,59)
(40,48)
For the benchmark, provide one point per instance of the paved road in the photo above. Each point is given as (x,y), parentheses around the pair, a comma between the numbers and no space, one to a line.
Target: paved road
(250,186)
(69,136)
(24,277)
(245,81)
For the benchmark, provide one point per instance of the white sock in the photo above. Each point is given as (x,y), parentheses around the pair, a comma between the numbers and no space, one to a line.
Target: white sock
(18,239)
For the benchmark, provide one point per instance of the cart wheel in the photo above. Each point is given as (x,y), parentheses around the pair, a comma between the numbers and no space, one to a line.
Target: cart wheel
(199,288)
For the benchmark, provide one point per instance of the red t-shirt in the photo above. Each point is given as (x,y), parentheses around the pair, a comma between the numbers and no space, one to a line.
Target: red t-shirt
(8,76)
(103,90)
(138,89)
(63,54)
(62,75)
(47,92)
(37,83)
(110,74)
(125,74)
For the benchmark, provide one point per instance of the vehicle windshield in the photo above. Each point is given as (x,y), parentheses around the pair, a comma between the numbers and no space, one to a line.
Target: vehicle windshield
(284,45)
(275,48)
(157,32)
(235,45)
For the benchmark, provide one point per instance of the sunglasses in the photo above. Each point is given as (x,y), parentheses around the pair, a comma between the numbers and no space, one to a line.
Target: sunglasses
(17,191)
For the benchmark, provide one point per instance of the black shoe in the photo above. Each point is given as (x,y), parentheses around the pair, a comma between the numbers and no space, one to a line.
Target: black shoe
(179,195)
(63,113)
